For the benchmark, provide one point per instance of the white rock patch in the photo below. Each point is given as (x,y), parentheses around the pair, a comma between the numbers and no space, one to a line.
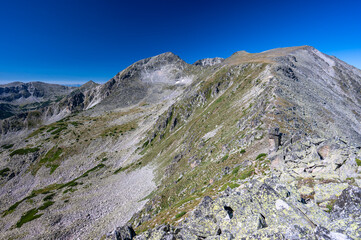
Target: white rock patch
(211,134)
(280,205)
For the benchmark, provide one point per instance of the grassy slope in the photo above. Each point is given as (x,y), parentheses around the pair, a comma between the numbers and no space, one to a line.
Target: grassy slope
(199,172)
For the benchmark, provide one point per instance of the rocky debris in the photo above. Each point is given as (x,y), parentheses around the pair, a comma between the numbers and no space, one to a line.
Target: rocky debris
(321,104)
(310,157)
(150,80)
(269,210)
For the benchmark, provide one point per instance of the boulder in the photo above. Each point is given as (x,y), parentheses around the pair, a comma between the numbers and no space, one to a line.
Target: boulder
(348,203)
(124,233)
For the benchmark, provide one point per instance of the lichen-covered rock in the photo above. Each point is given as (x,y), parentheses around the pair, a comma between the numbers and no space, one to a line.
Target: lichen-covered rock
(348,204)
(269,210)
(329,191)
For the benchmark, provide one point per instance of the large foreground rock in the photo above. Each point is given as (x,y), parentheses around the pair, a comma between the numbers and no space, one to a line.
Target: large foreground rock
(267,210)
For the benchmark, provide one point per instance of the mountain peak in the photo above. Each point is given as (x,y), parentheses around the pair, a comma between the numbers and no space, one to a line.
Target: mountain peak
(167,57)
(88,85)
(167,54)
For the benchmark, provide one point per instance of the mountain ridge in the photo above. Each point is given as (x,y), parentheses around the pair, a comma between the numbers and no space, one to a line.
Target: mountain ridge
(175,150)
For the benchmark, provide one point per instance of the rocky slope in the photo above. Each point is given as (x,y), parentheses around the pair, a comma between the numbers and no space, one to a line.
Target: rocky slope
(254,146)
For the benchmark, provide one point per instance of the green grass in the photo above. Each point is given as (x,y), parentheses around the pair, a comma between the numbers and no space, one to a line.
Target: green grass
(52,128)
(118,170)
(76,123)
(28,216)
(55,132)
(122,169)
(13,207)
(183,201)
(50,160)
(7,146)
(119,129)
(69,190)
(52,155)
(49,197)
(46,205)
(246,173)
(261,155)
(235,171)
(181,214)
(330,205)
(50,188)
(145,144)
(24,151)
(231,185)
(74,181)
(36,132)
(224,158)
(53,167)
(32,214)
(358,162)
(4,172)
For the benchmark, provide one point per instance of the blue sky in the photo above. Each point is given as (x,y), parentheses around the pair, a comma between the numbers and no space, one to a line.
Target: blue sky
(73,41)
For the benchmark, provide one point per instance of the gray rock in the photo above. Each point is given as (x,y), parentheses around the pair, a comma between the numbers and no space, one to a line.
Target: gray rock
(348,203)
(124,233)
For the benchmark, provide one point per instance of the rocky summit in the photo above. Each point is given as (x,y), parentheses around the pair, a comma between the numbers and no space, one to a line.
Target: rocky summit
(255,146)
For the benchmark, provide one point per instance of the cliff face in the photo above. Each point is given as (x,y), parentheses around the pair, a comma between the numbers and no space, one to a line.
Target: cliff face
(252,146)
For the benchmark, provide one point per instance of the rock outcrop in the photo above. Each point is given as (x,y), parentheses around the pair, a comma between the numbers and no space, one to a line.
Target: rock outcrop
(268,210)
(209,62)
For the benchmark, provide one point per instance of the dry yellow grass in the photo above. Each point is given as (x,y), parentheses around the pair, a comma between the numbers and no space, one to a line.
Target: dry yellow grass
(263,57)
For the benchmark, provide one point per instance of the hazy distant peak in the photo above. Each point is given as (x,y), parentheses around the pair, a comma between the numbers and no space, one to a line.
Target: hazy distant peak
(19,93)
(12,84)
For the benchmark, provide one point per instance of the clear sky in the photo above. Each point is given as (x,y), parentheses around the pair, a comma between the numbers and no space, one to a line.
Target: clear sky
(73,41)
